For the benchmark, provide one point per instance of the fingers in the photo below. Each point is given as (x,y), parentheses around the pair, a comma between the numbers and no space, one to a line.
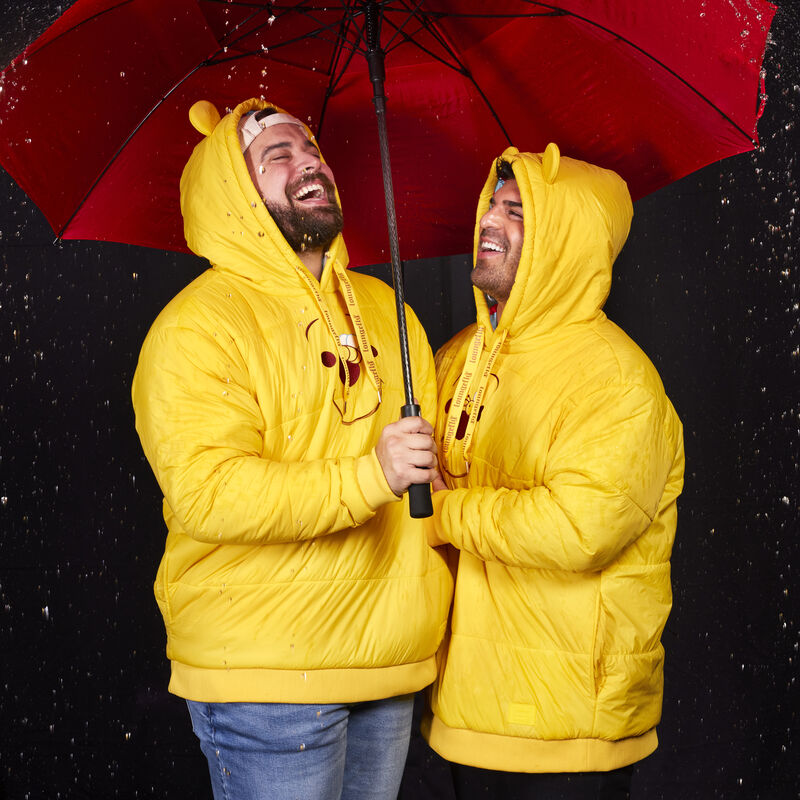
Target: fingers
(407,453)
(412,425)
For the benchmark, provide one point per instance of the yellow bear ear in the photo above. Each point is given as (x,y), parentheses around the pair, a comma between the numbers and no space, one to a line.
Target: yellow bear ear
(204,116)
(550,162)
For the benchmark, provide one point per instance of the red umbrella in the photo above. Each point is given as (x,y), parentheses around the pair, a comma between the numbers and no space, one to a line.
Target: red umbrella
(94,112)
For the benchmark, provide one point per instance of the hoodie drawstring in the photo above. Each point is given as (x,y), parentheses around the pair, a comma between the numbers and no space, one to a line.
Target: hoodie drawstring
(365,348)
(358,324)
(458,463)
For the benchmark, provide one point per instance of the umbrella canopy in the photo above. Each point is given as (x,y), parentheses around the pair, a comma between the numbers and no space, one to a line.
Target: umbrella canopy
(94,113)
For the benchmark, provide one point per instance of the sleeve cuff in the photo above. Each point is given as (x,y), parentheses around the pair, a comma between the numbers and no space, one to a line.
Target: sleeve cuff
(372,482)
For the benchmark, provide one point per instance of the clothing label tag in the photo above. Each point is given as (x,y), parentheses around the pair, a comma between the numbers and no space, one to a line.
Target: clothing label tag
(521,714)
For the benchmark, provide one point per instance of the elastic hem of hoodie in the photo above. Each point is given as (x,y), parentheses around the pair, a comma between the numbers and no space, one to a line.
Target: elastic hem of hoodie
(299,686)
(519,754)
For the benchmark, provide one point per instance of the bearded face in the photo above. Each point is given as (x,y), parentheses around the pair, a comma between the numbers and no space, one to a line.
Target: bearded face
(304,221)
(296,186)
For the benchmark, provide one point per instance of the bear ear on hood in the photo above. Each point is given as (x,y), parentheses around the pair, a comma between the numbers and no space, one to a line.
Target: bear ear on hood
(204,117)
(551,160)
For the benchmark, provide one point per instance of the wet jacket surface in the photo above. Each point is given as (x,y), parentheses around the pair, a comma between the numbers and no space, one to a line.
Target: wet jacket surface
(291,572)
(565,459)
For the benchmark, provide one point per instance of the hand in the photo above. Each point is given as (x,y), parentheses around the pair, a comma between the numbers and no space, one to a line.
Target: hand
(438,484)
(407,453)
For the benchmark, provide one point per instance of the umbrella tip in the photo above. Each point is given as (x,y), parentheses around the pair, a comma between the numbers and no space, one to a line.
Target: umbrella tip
(204,117)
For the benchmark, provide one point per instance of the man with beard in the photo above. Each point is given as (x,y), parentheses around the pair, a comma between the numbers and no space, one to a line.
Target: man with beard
(302,604)
(562,459)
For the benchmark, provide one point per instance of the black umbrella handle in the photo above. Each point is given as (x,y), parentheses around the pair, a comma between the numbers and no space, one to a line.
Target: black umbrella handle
(419,494)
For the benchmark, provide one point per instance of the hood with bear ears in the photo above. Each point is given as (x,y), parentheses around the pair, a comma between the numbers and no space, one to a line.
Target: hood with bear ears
(577,218)
(225,219)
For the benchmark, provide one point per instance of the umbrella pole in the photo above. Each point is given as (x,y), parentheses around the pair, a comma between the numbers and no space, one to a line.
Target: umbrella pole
(419,494)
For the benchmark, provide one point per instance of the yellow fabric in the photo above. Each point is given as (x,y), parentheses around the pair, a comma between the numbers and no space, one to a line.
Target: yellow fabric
(287,553)
(562,506)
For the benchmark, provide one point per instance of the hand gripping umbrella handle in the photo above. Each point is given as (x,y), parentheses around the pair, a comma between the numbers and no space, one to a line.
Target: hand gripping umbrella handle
(419,494)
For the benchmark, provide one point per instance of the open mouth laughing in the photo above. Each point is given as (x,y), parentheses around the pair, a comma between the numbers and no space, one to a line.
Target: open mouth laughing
(489,246)
(316,190)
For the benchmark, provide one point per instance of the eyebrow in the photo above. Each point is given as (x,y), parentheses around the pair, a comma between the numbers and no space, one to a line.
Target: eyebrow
(506,203)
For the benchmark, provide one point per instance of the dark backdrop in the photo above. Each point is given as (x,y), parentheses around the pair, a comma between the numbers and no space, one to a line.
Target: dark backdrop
(707,284)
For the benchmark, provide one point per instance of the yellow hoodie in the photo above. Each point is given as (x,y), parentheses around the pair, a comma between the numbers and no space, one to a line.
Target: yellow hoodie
(565,459)
(291,572)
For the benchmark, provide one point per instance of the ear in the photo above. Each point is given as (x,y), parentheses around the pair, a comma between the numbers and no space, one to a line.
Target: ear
(550,162)
(204,116)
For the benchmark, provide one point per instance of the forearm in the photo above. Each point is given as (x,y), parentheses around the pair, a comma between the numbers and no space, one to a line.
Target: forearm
(575,529)
(243,499)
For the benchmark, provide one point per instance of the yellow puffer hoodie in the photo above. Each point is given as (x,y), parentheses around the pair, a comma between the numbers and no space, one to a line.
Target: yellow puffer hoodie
(565,460)
(291,573)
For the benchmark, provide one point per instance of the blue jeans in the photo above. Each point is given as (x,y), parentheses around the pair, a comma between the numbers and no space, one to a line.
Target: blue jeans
(287,751)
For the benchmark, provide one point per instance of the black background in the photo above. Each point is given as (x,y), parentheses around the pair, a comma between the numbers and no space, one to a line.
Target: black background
(708,286)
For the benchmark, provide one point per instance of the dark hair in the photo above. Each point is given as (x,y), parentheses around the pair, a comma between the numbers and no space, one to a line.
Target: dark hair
(503,170)
(264,112)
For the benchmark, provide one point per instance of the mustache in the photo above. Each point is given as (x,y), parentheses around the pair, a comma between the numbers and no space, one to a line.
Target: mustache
(493,235)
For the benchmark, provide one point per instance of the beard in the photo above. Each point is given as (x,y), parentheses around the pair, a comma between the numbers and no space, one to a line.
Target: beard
(308,229)
(497,279)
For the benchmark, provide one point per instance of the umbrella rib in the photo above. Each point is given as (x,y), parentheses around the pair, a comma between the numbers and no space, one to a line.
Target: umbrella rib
(334,78)
(412,13)
(461,68)
(655,61)
(344,24)
(311,35)
(130,136)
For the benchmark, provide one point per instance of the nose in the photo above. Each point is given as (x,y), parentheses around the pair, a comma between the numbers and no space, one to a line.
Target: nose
(306,162)
(488,219)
